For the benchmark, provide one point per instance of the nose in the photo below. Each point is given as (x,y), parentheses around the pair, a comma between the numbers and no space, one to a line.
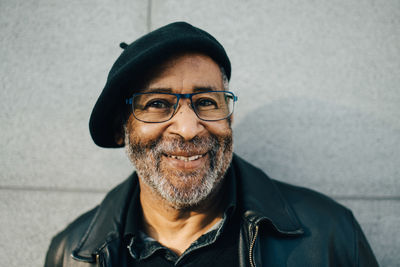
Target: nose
(185,122)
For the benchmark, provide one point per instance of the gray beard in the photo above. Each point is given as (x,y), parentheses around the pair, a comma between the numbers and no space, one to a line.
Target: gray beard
(181,189)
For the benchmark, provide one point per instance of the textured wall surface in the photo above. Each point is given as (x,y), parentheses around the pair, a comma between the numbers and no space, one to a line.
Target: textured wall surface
(319,105)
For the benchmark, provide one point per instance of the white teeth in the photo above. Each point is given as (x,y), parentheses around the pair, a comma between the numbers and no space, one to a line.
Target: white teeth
(186,158)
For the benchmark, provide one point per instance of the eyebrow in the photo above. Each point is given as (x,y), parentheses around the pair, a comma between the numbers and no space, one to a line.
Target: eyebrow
(156,90)
(204,89)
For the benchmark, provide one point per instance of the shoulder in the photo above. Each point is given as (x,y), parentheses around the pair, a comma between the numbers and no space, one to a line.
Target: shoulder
(328,226)
(89,231)
(329,229)
(63,243)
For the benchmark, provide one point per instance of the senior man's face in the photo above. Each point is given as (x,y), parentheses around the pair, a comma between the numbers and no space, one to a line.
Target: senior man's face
(184,159)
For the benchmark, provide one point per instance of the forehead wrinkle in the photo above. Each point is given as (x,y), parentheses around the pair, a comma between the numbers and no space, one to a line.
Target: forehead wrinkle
(204,88)
(168,68)
(157,90)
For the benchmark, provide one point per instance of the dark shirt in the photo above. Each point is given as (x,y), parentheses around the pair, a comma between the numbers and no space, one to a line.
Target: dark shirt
(217,247)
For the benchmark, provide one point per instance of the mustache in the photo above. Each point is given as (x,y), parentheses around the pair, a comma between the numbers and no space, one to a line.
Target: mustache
(167,145)
(197,145)
(209,144)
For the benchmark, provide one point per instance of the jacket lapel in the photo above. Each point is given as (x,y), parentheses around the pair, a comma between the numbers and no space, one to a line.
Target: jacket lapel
(107,224)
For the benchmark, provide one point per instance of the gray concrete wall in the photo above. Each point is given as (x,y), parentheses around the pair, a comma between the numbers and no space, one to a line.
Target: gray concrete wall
(318,86)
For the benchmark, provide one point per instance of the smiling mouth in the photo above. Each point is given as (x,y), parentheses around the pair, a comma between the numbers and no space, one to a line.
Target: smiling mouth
(186,159)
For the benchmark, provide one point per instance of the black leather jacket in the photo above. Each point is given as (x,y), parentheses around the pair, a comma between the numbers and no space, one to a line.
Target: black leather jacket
(282,225)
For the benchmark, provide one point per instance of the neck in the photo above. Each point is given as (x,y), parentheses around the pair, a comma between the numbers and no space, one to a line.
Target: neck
(173,227)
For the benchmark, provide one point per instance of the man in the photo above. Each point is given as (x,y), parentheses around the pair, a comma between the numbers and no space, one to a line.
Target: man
(191,201)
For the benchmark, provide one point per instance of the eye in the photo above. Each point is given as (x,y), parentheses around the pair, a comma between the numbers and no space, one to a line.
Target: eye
(206,102)
(158,104)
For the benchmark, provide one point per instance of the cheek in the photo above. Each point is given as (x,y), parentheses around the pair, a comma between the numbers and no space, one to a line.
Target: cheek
(145,131)
(219,128)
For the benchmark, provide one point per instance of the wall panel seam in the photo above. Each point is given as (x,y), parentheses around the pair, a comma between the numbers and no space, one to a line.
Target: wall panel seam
(149,11)
(103,191)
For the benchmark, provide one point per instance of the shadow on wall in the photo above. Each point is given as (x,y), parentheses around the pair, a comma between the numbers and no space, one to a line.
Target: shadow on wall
(334,149)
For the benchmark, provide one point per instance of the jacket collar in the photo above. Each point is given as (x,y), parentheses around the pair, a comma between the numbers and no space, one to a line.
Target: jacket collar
(108,221)
(262,200)
(257,194)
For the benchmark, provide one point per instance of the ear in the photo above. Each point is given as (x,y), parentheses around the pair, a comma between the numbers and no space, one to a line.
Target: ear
(119,138)
(230,120)
(119,132)
(121,119)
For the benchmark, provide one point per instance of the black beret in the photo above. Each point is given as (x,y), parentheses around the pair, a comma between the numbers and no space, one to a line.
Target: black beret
(141,55)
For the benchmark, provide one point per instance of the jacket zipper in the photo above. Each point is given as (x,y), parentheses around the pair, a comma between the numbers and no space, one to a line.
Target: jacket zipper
(253,242)
(98,260)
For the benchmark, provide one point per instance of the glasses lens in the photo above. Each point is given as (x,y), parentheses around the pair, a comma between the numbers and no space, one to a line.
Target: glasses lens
(213,106)
(153,107)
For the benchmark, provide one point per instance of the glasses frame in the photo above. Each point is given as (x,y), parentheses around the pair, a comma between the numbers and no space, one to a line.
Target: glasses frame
(129,101)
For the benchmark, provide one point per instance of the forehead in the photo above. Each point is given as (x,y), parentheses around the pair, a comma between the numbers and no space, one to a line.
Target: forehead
(186,71)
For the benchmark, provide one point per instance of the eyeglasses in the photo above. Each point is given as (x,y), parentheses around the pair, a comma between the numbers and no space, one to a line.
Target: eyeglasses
(160,107)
